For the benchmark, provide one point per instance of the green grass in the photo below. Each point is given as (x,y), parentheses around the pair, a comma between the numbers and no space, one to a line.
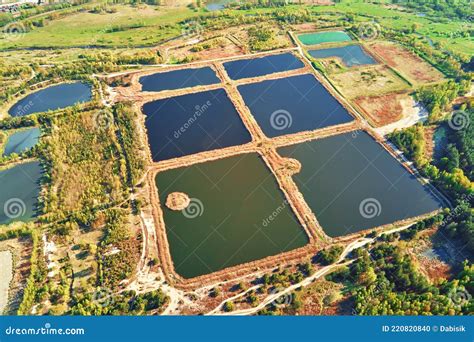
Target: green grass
(395,19)
(158,23)
(85,29)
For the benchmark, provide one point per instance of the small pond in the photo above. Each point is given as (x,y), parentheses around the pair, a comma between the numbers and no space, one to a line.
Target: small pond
(351,55)
(20,189)
(52,98)
(177,79)
(315,38)
(21,141)
(218,5)
(254,67)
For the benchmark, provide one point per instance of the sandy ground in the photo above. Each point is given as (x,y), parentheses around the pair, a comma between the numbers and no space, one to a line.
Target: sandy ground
(413,113)
(6,265)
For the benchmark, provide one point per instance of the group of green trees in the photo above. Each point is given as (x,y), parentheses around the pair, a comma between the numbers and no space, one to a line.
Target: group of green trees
(411,142)
(388,283)
(126,303)
(453,9)
(437,99)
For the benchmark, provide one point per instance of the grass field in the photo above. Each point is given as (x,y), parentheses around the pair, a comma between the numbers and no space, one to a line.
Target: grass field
(153,24)
(159,22)
(370,81)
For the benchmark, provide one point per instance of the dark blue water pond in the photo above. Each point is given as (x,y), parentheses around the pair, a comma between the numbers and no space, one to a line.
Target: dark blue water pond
(21,141)
(351,55)
(292,104)
(19,195)
(178,79)
(193,123)
(254,67)
(351,183)
(52,98)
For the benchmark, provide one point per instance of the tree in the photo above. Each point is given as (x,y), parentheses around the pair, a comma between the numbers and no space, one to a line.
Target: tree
(229,306)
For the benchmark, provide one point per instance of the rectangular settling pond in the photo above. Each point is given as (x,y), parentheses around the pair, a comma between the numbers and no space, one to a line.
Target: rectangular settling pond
(324,37)
(254,67)
(292,104)
(352,183)
(178,79)
(351,55)
(227,221)
(193,123)
(19,192)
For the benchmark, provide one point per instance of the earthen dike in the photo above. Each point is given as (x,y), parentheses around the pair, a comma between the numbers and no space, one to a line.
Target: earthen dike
(282,168)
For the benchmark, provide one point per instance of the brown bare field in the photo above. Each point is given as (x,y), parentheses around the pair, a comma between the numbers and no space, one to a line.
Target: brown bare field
(370,81)
(205,49)
(384,109)
(407,63)
(429,141)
